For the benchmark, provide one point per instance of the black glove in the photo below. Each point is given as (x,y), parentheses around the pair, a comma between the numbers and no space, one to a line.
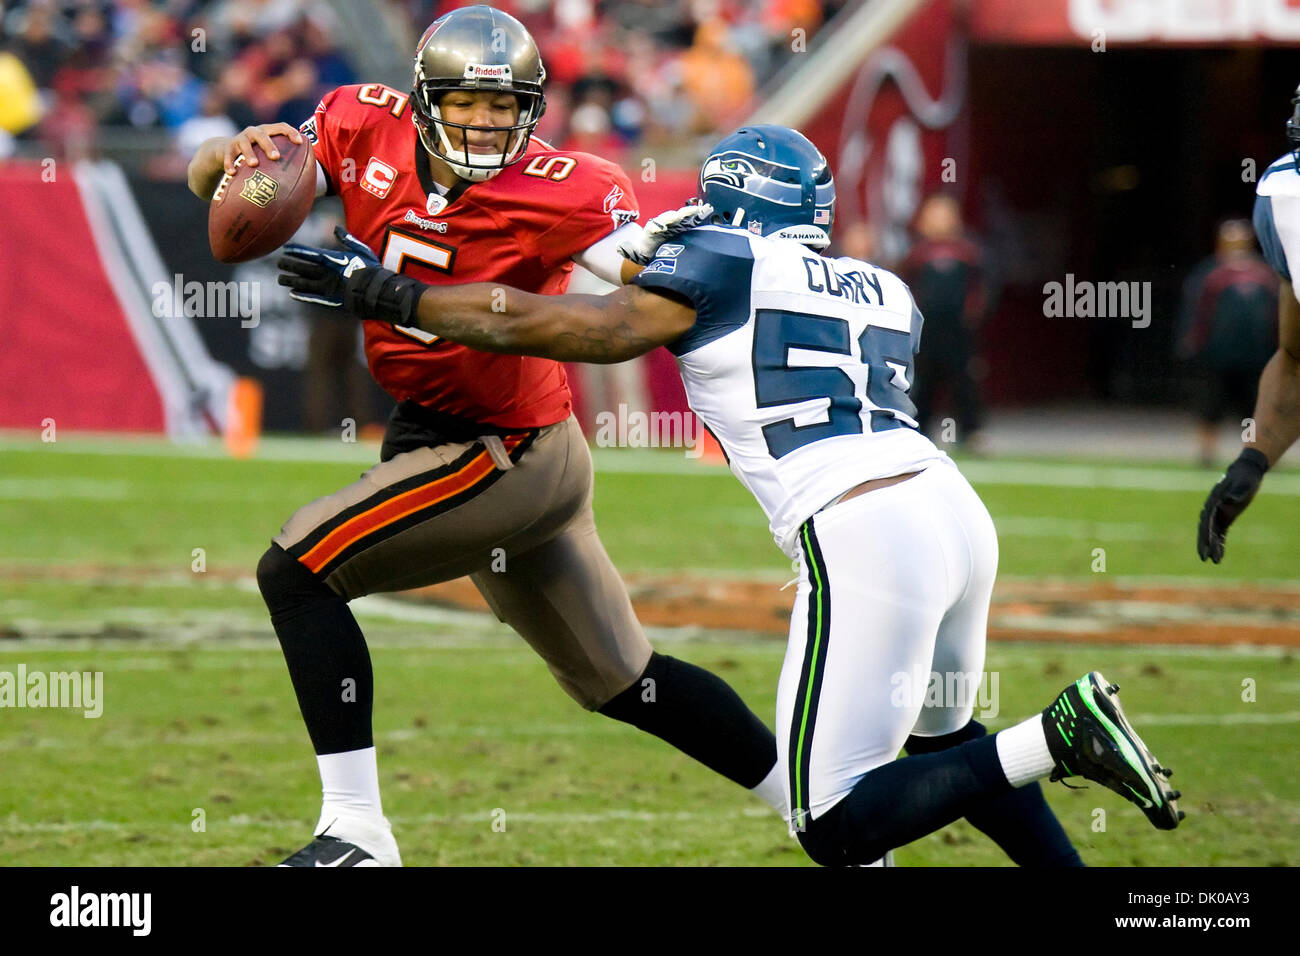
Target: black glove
(1228,499)
(351,279)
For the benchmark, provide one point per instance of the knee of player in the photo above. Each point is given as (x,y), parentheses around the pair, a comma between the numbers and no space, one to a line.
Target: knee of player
(635,703)
(284,581)
(822,841)
(833,839)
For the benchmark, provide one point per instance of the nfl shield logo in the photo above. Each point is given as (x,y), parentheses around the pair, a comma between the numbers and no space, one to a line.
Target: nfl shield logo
(259,188)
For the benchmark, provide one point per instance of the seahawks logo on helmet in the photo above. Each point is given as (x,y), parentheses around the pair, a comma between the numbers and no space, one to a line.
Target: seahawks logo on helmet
(730,170)
(772,181)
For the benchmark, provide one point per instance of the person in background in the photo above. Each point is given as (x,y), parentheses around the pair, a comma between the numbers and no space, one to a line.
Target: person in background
(859,241)
(946,274)
(1228,329)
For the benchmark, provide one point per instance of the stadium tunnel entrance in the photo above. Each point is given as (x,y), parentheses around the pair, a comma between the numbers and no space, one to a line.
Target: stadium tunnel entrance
(1086,142)
(1110,167)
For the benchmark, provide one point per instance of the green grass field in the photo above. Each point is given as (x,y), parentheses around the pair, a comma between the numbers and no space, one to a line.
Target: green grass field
(200,726)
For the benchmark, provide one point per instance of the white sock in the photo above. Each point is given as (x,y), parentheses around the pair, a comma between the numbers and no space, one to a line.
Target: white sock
(350,783)
(772,791)
(1022,749)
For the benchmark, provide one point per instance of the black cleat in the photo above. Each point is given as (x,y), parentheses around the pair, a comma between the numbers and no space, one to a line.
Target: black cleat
(1088,736)
(330,851)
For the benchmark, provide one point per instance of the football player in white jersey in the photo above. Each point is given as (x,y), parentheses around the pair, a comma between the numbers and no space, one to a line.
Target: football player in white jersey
(1277,406)
(800,365)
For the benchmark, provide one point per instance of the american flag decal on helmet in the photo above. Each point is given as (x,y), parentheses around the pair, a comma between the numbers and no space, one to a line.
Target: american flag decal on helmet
(821,217)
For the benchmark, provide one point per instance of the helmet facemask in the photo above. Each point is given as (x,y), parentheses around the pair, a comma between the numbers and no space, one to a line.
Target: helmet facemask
(477,50)
(475,167)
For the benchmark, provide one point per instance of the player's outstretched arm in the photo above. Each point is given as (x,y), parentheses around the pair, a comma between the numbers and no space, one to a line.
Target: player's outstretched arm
(489,317)
(1277,425)
(568,328)
(217,156)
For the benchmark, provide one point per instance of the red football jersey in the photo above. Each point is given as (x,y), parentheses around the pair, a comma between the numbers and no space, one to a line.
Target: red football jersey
(519,228)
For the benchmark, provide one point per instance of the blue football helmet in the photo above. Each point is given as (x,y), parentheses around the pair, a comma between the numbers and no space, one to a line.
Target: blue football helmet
(772,181)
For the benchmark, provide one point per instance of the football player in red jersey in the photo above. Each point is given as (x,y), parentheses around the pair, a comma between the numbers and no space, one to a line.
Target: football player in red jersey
(483,469)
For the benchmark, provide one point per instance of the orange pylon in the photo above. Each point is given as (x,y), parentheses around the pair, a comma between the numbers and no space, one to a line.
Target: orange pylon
(244,418)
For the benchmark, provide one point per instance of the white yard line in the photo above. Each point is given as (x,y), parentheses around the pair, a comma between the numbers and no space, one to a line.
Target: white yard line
(62,489)
(224,739)
(483,817)
(1022,526)
(650,462)
(1115,477)
(542,730)
(151,446)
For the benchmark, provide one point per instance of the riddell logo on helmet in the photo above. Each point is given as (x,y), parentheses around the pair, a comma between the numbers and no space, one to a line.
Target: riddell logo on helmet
(488,71)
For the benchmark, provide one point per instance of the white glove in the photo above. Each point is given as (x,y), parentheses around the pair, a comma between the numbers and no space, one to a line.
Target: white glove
(663,227)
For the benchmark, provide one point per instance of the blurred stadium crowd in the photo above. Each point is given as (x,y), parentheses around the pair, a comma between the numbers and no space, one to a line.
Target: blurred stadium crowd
(621,74)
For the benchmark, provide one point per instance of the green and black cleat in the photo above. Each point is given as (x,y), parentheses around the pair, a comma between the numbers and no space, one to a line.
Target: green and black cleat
(1088,736)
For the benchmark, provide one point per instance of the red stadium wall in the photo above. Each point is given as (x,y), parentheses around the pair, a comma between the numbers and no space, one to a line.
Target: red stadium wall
(68,351)
(1074,22)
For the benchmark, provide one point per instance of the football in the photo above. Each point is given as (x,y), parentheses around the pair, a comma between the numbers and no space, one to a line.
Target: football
(256,209)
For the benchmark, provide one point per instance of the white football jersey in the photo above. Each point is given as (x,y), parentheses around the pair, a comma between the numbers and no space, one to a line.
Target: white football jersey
(798,364)
(1277,215)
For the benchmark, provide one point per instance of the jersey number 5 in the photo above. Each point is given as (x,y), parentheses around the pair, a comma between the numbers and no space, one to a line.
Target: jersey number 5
(778,382)
(401,248)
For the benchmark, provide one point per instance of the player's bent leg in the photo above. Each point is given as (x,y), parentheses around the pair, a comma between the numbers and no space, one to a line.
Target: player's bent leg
(323,647)
(902,801)
(698,713)
(427,515)
(326,652)
(566,599)
(1019,821)
(432,512)
(863,640)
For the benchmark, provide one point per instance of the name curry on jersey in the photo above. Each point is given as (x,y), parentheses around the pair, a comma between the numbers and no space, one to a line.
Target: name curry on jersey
(800,366)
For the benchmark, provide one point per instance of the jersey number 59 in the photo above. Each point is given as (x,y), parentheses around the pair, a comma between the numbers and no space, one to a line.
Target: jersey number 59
(776,382)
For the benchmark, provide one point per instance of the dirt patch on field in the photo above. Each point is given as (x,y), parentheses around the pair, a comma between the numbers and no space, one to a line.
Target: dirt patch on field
(1100,613)
(1023,610)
